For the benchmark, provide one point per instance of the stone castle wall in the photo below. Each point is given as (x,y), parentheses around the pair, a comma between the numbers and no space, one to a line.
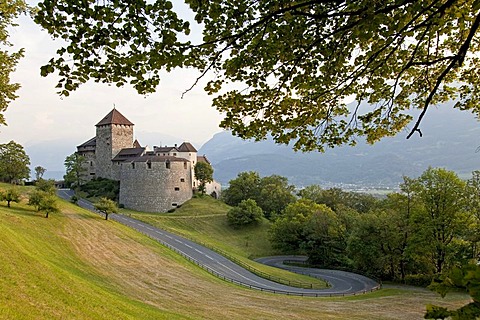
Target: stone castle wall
(110,140)
(155,189)
(89,166)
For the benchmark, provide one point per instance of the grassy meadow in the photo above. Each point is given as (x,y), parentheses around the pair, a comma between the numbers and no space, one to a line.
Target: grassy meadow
(75,265)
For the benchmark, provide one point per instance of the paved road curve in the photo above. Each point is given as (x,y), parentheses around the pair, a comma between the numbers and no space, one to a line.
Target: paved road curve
(342,283)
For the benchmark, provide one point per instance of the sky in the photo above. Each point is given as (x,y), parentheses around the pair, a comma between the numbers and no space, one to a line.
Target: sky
(40,114)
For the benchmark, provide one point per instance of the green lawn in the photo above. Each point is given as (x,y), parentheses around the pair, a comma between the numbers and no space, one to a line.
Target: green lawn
(204,221)
(43,278)
(75,265)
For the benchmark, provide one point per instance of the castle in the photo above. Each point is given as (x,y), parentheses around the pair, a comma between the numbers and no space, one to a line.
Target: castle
(155,180)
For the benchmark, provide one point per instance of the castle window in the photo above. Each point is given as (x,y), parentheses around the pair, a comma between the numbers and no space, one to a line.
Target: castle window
(167,164)
(177,189)
(133,165)
(149,165)
(91,163)
(174,205)
(174,154)
(182,180)
(184,165)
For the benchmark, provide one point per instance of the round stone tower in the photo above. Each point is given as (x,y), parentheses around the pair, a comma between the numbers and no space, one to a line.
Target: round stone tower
(114,133)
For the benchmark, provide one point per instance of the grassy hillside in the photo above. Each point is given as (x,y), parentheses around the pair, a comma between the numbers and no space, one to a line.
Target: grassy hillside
(75,265)
(204,221)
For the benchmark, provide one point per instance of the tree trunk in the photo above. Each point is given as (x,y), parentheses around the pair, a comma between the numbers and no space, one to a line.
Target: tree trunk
(46,216)
(106,216)
(8,204)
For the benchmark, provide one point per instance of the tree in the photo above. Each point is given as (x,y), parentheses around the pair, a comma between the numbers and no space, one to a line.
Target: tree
(312,229)
(9,11)
(247,212)
(286,233)
(364,245)
(336,198)
(325,244)
(43,201)
(465,278)
(10,195)
(106,206)
(74,168)
(473,206)
(39,171)
(275,195)
(14,162)
(46,185)
(294,63)
(204,174)
(245,186)
(442,222)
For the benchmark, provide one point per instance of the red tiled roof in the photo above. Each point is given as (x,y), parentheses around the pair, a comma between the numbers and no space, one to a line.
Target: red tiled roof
(186,147)
(136,144)
(114,117)
(202,159)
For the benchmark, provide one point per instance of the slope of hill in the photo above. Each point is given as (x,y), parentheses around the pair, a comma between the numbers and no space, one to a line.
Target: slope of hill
(75,265)
(450,140)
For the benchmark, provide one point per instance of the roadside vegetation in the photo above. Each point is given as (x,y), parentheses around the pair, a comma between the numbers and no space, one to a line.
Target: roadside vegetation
(204,220)
(77,265)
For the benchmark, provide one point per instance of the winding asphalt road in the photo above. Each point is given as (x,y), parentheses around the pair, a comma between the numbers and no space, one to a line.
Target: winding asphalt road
(341,282)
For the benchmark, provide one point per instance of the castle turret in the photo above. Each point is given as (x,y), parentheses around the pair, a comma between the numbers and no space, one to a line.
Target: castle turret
(114,133)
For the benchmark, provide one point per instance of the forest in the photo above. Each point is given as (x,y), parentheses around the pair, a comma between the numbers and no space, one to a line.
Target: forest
(427,228)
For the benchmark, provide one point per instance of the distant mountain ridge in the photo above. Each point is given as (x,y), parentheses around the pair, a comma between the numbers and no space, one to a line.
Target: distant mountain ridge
(450,139)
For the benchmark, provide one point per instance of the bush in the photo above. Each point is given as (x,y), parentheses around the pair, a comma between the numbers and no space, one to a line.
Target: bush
(247,212)
(419,280)
(101,187)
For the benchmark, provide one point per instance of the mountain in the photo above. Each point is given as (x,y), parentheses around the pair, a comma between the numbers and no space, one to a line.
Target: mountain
(450,140)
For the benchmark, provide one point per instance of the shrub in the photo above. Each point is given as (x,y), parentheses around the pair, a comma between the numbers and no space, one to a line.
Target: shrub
(101,187)
(247,212)
(419,280)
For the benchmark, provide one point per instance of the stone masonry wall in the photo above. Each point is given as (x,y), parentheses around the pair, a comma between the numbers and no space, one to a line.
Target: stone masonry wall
(157,189)
(110,140)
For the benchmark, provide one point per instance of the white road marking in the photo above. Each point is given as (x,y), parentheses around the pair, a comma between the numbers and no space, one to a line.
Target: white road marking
(262,285)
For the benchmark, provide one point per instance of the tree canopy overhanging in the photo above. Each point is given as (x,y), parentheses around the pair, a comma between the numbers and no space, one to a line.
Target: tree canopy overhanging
(9,11)
(294,63)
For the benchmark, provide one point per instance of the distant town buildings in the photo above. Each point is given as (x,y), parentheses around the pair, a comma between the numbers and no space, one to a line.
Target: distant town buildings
(154,180)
